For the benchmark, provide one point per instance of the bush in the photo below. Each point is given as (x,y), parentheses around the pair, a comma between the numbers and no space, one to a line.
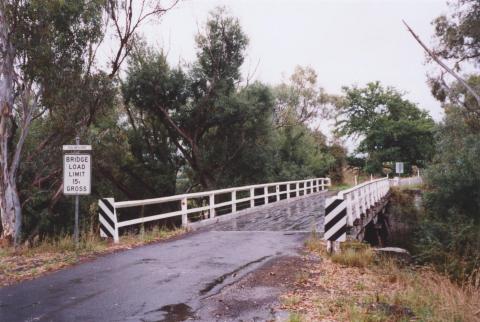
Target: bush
(452,246)
(447,236)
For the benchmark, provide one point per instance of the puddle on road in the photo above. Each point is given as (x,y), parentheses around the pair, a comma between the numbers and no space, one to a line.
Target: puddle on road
(173,313)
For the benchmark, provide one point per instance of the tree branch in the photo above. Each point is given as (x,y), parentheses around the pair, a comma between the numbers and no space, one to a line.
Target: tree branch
(448,69)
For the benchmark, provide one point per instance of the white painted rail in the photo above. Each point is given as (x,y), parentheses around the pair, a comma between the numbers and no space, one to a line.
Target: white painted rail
(408,181)
(187,204)
(363,196)
(348,205)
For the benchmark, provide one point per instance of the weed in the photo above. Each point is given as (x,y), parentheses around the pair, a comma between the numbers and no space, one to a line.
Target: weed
(315,244)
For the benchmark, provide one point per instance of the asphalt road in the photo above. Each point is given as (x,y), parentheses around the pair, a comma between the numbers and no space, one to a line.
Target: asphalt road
(167,281)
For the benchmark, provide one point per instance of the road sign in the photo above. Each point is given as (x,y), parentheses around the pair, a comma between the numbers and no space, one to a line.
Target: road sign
(399,167)
(77,169)
(77,148)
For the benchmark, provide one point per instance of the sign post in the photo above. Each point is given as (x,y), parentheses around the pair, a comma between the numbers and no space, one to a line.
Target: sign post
(77,174)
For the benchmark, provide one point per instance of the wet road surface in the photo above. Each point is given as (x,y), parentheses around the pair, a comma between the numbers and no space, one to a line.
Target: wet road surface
(167,281)
(301,215)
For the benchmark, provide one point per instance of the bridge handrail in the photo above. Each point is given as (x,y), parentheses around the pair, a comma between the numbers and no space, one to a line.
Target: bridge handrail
(363,196)
(359,186)
(109,223)
(144,202)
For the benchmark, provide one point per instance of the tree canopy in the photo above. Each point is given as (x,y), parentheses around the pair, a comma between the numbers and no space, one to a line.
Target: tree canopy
(390,128)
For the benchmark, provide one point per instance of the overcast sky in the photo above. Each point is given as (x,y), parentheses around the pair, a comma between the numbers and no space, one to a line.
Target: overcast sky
(346,42)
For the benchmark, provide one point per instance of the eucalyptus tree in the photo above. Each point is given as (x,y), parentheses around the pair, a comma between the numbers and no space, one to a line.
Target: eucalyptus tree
(48,73)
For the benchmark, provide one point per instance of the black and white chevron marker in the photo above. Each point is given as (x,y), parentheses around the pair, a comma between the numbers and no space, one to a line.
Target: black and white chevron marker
(107,218)
(335,219)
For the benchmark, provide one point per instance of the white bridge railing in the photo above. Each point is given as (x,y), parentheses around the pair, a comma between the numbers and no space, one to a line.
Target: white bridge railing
(408,181)
(342,210)
(363,196)
(204,203)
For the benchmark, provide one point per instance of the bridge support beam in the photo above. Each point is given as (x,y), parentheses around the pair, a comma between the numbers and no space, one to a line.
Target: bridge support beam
(357,230)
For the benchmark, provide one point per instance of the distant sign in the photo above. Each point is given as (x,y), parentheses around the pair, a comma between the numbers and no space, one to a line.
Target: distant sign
(77,174)
(399,167)
(77,148)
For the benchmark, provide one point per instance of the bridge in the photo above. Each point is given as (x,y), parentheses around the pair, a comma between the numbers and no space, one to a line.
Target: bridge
(350,210)
(203,273)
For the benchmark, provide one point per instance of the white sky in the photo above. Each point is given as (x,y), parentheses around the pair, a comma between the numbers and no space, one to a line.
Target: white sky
(346,41)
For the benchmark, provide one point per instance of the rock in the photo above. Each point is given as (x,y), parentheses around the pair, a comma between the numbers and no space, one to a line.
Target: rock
(397,253)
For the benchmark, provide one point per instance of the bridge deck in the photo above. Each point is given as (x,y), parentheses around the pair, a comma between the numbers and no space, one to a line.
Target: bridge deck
(306,214)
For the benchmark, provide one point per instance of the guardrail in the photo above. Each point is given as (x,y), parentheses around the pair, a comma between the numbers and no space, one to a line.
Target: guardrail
(409,181)
(342,210)
(187,204)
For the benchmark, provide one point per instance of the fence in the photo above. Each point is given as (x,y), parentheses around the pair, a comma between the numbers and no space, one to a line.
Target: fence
(409,181)
(348,205)
(205,204)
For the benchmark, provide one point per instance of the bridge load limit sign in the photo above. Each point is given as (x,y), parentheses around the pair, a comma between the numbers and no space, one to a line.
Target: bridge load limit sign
(77,172)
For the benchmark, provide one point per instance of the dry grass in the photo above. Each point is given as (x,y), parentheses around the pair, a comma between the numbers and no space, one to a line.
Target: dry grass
(354,257)
(347,287)
(52,254)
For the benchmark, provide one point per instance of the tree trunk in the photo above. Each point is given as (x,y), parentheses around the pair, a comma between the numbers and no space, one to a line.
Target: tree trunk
(11,212)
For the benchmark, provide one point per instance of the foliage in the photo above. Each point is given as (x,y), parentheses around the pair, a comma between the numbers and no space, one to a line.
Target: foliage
(448,237)
(458,34)
(224,131)
(300,153)
(451,245)
(457,39)
(454,176)
(215,124)
(300,101)
(163,129)
(391,128)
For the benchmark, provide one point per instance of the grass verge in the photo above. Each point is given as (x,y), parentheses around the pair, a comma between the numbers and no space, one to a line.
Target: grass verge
(355,285)
(53,254)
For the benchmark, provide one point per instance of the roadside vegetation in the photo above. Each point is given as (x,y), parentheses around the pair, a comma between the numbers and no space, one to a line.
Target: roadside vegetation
(159,129)
(359,285)
(54,253)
